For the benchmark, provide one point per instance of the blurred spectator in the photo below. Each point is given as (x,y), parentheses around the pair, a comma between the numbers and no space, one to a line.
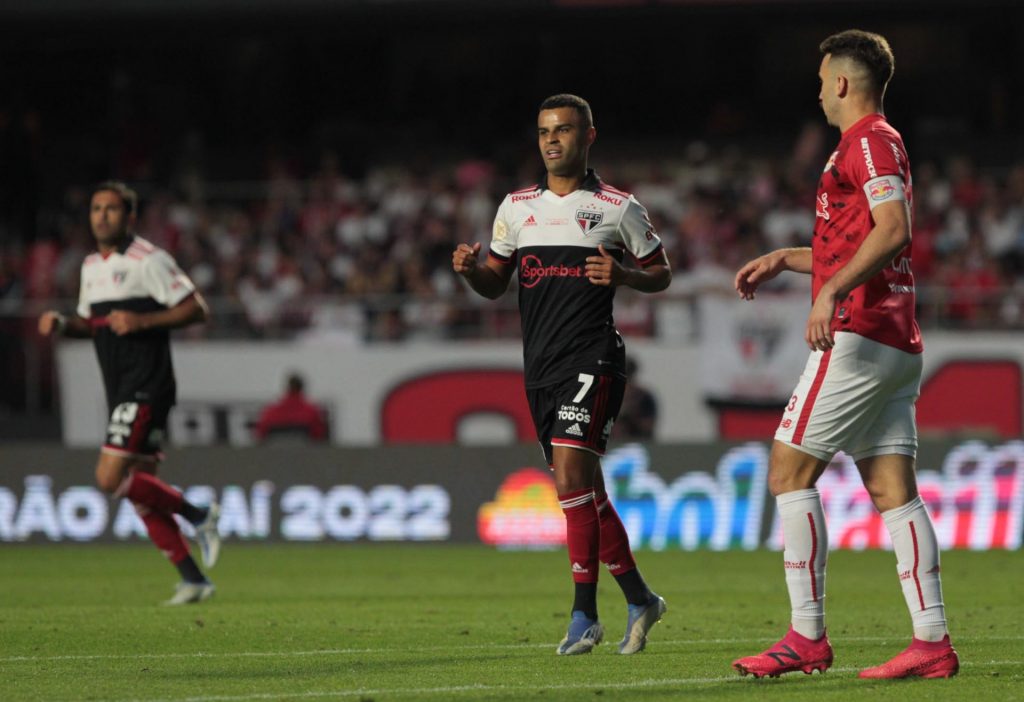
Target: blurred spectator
(275,257)
(293,416)
(972,283)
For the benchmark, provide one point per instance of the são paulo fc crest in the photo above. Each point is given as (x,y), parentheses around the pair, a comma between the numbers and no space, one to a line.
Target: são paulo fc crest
(588,219)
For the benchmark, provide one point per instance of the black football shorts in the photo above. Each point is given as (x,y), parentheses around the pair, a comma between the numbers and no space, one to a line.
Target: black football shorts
(136,430)
(578,412)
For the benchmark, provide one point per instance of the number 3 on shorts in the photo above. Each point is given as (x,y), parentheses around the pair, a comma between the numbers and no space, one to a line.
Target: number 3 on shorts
(586,380)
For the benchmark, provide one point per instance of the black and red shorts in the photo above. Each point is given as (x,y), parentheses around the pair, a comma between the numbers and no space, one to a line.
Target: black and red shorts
(578,413)
(136,430)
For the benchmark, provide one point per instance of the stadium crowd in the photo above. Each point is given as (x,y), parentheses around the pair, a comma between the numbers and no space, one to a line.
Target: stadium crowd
(317,251)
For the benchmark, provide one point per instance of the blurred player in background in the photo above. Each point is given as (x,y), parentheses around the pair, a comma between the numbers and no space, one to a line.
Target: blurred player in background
(858,390)
(132,295)
(639,413)
(566,236)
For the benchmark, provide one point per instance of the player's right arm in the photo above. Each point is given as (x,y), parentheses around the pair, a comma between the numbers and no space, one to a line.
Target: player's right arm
(764,268)
(78,326)
(52,322)
(489,278)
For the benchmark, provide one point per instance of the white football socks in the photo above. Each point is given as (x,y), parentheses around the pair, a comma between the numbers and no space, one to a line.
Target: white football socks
(917,563)
(806,550)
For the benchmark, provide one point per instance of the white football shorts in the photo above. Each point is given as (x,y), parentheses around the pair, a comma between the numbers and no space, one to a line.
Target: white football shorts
(858,397)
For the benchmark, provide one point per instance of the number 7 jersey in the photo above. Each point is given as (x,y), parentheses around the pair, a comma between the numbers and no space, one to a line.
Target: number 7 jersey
(567,321)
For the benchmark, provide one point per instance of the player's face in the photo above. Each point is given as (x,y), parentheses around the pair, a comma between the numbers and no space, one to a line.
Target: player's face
(108,217)
(827,97)
(563,140)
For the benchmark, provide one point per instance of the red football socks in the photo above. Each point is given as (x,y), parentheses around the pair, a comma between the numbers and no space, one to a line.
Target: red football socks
(615,552)
(165,534)
(583,533)
(149,491)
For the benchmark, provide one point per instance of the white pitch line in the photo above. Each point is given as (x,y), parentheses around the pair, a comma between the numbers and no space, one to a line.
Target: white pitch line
(452,689)
(427,649)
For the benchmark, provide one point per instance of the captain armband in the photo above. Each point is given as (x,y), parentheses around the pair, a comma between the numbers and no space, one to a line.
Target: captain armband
(886,188)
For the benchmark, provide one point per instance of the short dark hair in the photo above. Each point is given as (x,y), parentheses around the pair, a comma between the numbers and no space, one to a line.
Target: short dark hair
(295,383)
(868,49)
(128,196)
(573,101)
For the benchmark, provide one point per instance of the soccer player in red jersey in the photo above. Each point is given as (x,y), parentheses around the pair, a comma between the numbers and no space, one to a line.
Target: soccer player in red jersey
(132,295)
(566,237)
(858,390)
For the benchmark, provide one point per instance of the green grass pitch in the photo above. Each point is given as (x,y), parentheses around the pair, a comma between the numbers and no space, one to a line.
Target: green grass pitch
(390,622)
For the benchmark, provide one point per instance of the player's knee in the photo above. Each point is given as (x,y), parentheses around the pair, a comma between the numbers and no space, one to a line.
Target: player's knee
(790,479)
(107,482)
(790,470)
(571,483)
(887,495)
(779,483)
(110,475)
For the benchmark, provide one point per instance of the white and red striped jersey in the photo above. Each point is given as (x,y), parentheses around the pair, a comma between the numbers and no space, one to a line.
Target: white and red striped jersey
(869,167)
(567,320)
(139,277)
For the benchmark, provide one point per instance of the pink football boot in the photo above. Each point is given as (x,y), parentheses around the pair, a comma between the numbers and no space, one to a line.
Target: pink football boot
(921,659)
(794,652)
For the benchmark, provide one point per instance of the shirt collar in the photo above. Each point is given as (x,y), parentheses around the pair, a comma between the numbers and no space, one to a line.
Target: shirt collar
(861,123)
(591,181)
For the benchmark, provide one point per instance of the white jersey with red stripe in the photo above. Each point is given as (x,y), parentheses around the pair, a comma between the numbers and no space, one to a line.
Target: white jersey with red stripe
(137,277)
(868,168)
(567,320)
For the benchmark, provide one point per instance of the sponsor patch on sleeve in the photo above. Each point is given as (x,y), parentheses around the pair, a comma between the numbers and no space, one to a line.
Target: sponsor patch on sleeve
(500,230)
(888,188)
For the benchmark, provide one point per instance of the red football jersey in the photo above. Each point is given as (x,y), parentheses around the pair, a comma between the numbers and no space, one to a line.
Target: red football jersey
(868,168)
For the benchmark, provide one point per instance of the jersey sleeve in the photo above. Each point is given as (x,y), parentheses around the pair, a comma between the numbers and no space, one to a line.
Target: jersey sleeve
(164,280)
(504,239)
(637,233)
(875,165)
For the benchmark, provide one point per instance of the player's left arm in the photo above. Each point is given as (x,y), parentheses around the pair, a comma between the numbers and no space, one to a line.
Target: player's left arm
(638,236)
(887,238)
(192,310)
(168,285)
(654,277)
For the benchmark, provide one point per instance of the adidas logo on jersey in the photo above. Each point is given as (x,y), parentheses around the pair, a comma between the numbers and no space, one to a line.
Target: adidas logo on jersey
(531,221)
(575,430)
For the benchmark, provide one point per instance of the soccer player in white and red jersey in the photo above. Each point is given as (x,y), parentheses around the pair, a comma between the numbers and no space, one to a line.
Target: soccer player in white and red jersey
(858,390)
(132,295)
(566,237)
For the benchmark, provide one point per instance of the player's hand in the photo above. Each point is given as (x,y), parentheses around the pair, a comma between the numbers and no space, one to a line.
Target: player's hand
(465,258)
(124,322)
(819,324)
(51,322)
(604,269)
(758,271)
